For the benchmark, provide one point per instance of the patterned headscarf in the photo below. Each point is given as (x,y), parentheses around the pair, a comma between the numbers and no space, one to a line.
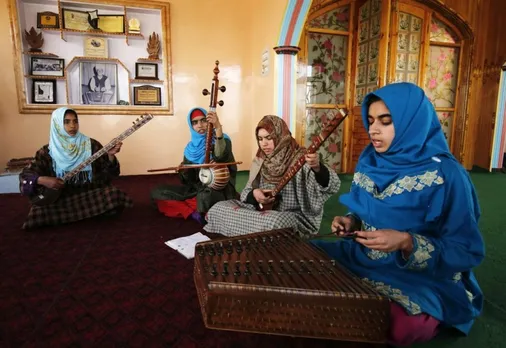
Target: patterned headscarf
(68,151)
(286,150)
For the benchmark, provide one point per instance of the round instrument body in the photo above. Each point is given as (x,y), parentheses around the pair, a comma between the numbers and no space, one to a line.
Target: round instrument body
(216,178)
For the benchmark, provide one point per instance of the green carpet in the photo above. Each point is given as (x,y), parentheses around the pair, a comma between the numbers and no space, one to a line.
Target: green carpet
(488,329)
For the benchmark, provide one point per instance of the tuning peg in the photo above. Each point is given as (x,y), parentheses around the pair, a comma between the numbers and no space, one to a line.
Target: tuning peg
(223,88)
(220,103)
(205,91)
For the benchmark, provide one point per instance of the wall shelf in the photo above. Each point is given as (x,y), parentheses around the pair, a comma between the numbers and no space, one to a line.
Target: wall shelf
(45,77)
(149,60)
(40,54)
(68,44)
(145,81)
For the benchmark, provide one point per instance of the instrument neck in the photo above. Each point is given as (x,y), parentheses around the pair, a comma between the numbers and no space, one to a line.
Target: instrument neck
(209,137)
(315,144)
(100,153)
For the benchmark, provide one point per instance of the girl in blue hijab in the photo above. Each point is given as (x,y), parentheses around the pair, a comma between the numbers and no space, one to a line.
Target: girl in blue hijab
(413,216)
(67,146)
(195,150)
(193,198)
(89,192)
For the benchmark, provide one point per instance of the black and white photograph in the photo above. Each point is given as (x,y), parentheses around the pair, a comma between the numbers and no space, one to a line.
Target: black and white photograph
(47,66)
(98,83)
(146,71)
(44,92)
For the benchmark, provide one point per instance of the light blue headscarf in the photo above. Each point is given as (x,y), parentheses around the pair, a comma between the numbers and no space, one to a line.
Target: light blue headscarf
(195,150)
(68,151)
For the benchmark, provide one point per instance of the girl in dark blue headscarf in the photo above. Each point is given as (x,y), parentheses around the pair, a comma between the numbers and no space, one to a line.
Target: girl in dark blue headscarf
(195,150)
(193,198)
(415,215)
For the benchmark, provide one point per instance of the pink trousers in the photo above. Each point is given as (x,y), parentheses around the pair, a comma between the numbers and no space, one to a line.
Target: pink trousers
(407,329)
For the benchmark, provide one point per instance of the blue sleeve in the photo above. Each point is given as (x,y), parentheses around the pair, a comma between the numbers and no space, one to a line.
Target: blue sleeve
(456,244)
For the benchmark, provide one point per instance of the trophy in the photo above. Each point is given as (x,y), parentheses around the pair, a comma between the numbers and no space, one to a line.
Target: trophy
(153,46)
(34,39)
(93,19)
(134,26)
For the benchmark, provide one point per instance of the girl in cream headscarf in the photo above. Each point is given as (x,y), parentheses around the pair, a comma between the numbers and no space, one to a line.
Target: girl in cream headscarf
(301,200)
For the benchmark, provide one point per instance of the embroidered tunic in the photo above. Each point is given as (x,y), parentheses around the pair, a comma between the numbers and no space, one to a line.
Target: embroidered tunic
(418,187)
(77,201)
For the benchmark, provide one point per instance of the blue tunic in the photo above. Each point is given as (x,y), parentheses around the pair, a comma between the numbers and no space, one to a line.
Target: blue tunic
(418,187)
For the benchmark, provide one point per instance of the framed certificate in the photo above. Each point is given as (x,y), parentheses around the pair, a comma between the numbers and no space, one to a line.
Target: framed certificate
(44,92)
(147,95)
(147,71)
(95,47)
(76,20)
(111,23)
(41,66)
(47,20)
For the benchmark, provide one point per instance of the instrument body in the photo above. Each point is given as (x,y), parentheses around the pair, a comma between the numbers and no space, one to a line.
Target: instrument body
(315,145)
(274,282)
(46,196)
(216,178)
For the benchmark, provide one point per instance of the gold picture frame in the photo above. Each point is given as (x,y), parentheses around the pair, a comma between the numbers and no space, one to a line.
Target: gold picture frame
(147,95)
(48,20)
(111,23)
(117,46)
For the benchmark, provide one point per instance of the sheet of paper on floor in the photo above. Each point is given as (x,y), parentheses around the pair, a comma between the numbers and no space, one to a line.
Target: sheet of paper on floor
(186,245)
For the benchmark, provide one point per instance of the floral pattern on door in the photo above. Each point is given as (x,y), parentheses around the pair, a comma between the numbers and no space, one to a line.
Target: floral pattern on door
(368,49)
(441,78)
(326,72)
(337,19)
(442,72)
(330,152)
(408,48)
(439,32)
(446,120)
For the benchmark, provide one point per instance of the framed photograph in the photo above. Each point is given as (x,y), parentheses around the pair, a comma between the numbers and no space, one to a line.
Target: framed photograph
(44,92)
(96,47)
(98,83)
(146,71)
(147,95)
(77,20)
(47,66)
(111,23)
(48,20)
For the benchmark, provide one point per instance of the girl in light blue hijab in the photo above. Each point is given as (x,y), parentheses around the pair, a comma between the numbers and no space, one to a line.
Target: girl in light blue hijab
(67,146)
(84,195)
(413,218)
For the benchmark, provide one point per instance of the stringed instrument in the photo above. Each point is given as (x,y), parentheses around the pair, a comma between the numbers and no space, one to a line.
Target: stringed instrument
(47,196)
(216,177)
(328,129)
(212,174)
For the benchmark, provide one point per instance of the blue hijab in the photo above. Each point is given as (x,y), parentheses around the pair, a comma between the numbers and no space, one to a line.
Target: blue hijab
(418,135)
(195,150)
(68,151)
(419,147)
(432,198)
